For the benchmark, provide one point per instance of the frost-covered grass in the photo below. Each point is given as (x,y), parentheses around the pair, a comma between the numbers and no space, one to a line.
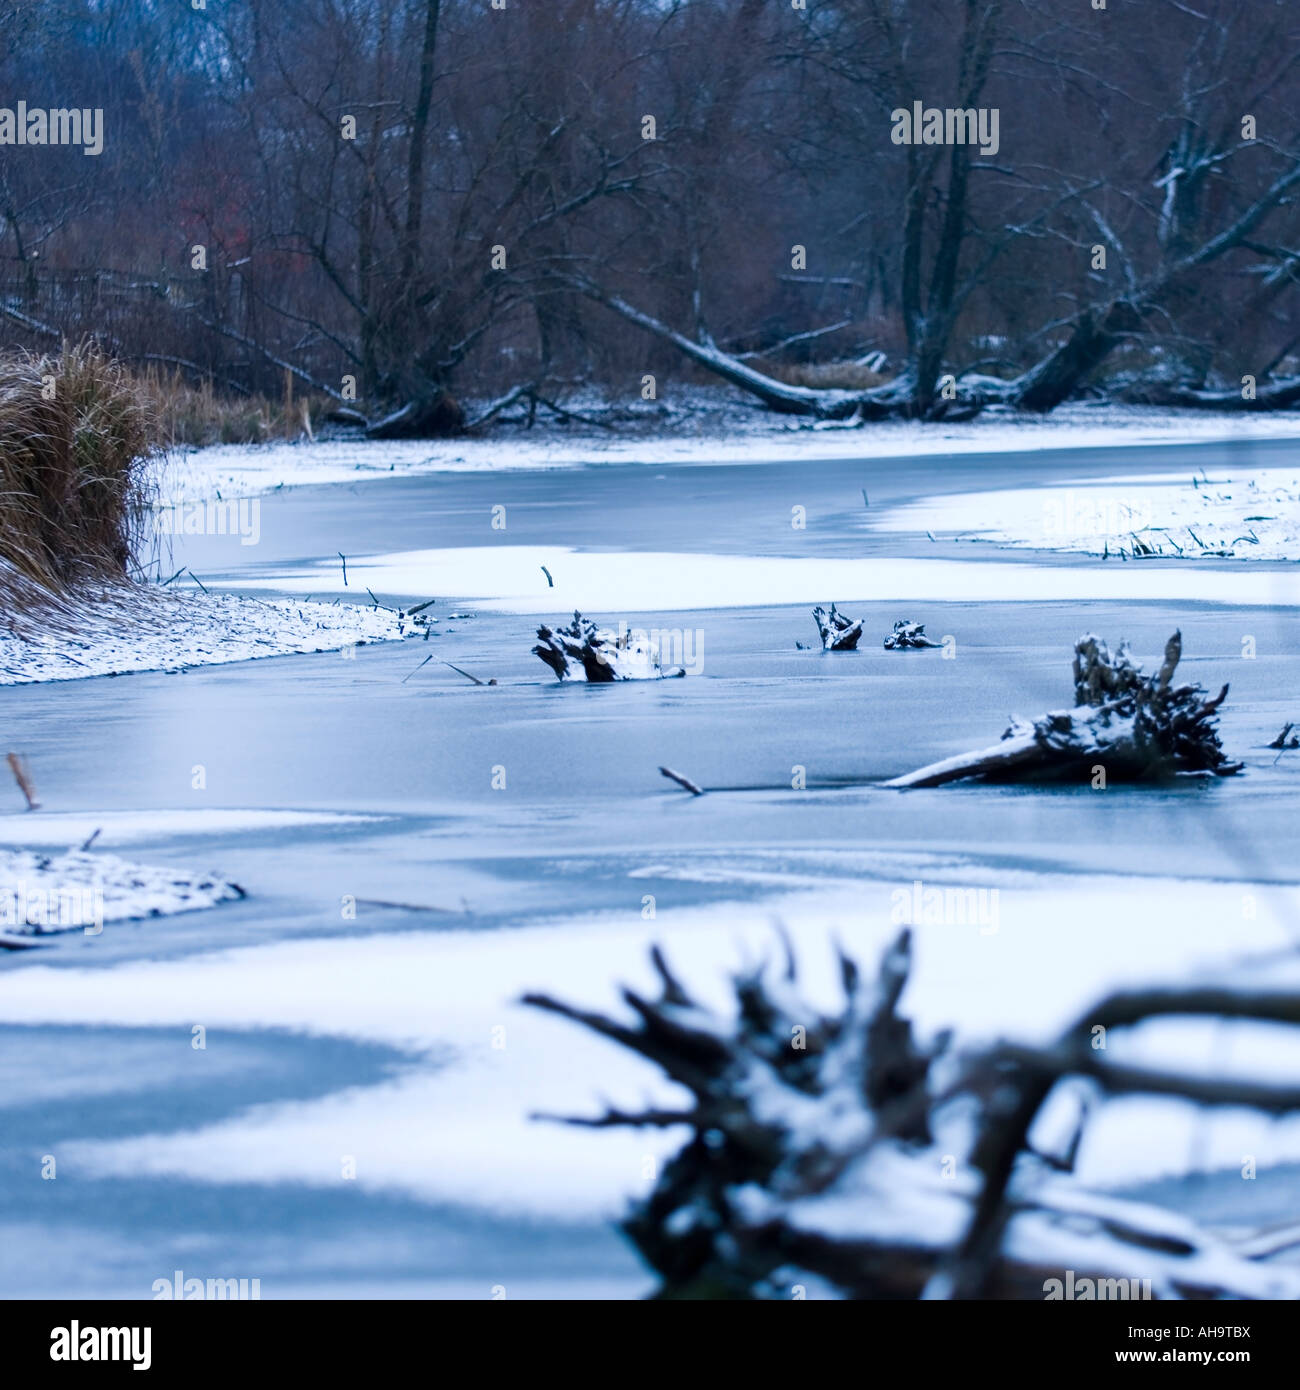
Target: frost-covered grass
(1245,515)
(152,629)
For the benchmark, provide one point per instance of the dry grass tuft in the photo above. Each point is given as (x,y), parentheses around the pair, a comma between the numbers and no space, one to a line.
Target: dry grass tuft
(197,414)
(75,435)
(827,376)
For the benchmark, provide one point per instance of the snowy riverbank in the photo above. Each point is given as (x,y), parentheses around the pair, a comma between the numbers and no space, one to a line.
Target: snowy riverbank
(156,630)
(708,426)
(1247,514)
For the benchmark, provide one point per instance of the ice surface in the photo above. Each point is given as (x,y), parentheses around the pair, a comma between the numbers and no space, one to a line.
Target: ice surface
(457,1125)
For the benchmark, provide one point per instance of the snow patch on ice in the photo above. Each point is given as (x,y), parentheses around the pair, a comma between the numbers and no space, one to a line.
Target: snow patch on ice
(67,828)
(456,1126)
(81,891)
(1250,516)
(509,578)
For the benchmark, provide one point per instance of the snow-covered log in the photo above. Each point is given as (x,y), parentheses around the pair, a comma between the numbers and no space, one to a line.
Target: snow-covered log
(584,652)
(823,1145)
(1283,394)
(1134,726)
(838,633)
(908,635)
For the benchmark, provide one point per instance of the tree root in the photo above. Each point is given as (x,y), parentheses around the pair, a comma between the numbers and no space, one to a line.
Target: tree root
(822,1145)
(1133,727)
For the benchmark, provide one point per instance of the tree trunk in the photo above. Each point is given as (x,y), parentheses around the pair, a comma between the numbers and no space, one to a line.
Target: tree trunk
(419,132)
(1091,341)
(430,414)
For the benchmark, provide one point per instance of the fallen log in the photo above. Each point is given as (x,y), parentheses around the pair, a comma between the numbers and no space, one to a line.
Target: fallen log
(838,633)
(582,651)
(823,1145)
(906,635)
(1135,727)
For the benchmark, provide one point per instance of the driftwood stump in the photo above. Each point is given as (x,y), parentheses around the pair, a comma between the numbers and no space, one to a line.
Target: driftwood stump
(908,635)
(822,1145)
(838,633)
(1136,727)
(583,651)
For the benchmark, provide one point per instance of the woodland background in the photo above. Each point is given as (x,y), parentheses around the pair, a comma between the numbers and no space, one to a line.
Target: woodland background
(522,128)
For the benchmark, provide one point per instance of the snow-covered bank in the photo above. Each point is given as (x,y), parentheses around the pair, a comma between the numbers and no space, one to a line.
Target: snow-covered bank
(153,629)
(82,890)
(712,427)
(510,578)
(456,1126)
(1242,513)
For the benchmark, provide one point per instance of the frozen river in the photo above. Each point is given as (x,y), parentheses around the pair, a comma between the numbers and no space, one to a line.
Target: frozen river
(350,1002)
